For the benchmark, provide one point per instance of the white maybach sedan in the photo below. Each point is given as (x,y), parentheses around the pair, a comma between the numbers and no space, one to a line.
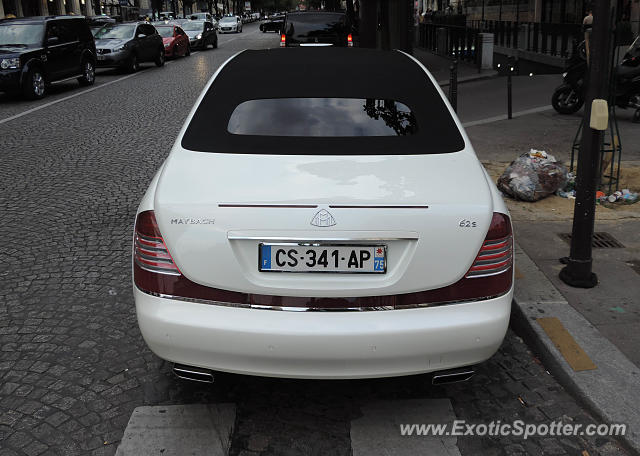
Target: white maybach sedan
(331,221)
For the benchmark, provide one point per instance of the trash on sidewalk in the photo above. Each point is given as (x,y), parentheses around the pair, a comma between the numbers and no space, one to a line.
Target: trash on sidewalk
(533,176)
(623,196)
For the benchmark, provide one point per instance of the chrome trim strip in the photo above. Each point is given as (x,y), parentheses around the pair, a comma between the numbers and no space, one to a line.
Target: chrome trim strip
(154,270)
(70,78)
(315,309)
(283,206)
(236,237)
(168,261)
(68,43)
(479,274)
(373,206)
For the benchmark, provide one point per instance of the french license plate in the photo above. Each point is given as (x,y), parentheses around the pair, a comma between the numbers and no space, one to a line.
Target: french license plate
(290,257)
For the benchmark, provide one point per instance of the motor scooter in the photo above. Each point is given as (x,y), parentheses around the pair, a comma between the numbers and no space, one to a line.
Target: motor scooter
(569,97)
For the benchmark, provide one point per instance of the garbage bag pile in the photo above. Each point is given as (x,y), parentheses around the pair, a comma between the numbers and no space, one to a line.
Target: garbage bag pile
(533,176)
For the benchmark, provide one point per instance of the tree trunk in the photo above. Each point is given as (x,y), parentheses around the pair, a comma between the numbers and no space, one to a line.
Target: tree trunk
(367,20)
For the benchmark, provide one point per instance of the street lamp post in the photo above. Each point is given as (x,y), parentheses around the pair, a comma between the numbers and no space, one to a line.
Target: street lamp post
(578,271)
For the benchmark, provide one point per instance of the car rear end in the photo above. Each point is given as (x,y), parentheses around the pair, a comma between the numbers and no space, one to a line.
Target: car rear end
(300,249)
(316,29)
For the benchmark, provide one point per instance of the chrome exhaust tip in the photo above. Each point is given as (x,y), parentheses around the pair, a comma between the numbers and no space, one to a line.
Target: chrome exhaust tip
(195,374)
(452,376)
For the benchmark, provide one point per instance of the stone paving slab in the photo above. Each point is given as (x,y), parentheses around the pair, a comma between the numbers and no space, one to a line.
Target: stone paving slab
(377,431)
(196,429)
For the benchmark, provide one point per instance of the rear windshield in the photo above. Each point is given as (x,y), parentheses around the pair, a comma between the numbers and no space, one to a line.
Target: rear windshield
(322,117)
(193,26)
(322,101)
(165,32)
(309,24)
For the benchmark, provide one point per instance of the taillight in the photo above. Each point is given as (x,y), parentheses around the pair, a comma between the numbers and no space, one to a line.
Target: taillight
(149,250)
(349,40)
(283,40)
(490,276)
(496,253)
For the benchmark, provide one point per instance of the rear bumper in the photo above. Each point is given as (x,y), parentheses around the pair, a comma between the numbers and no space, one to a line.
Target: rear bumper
(323,345)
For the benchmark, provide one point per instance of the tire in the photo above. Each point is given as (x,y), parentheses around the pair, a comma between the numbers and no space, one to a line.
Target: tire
(215,43)
(35,86)
(159,61)
(565,100)
(636,116)
(187,53)
(134,64)
(88,73)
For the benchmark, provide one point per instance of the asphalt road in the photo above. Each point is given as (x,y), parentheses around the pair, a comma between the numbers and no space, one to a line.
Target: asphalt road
(73,365)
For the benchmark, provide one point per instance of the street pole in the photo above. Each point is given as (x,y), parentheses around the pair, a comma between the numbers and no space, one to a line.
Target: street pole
(453,85)
(578,272)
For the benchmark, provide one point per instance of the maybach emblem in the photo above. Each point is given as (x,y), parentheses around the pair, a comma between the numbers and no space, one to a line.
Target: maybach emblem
(323,219)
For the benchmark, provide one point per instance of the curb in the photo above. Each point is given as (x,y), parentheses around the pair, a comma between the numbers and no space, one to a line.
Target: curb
(474,78)
(609,391)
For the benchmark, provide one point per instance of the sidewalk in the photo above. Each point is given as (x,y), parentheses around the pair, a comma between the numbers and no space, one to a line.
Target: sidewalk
(603,322)
(439,68)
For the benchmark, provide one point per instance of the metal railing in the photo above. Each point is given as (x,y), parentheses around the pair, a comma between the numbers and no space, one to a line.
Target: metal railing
(453,41)
(558,40)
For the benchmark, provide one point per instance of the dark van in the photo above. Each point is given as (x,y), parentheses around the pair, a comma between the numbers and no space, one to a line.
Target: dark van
(314,28)
(36,51)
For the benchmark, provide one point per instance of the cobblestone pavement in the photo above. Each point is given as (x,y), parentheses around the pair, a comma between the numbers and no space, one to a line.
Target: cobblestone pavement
(73,365)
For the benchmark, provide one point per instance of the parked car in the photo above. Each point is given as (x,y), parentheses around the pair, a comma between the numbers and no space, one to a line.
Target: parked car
(205,17)
(310,229)
(129,44)
(166,15)
(273,24)
(314,28)
(201,17)
(175,40)
(230,24)
(38,51)
(201,34)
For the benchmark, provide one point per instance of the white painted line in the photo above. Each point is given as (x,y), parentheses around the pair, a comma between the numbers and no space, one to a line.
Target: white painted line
(196,429)
(377,431)
(76,94)
(504,116)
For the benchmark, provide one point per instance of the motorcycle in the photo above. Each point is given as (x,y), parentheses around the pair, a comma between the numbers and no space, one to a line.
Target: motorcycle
(568,98)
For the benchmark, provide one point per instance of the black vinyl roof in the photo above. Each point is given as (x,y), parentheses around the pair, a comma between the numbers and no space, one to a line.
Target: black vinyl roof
(324,72)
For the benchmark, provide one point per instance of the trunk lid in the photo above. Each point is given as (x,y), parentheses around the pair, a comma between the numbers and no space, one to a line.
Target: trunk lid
(213,211)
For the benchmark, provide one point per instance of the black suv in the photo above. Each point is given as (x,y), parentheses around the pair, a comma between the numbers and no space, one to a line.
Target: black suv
(315,28)
(273,24)
(36,51)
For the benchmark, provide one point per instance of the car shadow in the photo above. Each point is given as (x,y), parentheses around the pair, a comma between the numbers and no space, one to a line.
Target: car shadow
(68,87)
